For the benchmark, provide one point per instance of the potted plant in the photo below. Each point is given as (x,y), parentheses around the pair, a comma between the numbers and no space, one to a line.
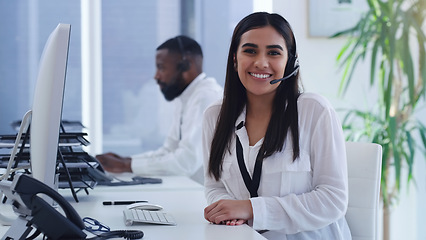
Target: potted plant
(390,34)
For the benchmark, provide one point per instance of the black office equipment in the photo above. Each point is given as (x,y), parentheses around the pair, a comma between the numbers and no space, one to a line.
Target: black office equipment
(76,169)
(35,212)
(28,196)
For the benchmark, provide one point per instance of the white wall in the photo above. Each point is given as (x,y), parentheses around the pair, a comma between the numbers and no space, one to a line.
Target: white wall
(319,74)
(317,56)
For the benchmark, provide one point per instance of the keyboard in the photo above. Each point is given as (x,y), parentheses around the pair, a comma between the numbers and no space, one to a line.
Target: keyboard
(132,216)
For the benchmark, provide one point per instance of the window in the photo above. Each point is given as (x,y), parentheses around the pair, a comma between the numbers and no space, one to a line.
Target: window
(134,110)
(24,29)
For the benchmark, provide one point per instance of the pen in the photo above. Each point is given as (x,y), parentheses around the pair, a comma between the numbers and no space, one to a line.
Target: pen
(120,202)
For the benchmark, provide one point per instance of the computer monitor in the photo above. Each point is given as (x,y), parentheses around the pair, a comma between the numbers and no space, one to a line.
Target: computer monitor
(47,106)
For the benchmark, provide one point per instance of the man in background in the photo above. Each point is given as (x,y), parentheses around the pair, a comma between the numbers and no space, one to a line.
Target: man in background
(179,63)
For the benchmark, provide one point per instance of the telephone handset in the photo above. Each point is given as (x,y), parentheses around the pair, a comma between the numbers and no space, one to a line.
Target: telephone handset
(43,216)
(34,211)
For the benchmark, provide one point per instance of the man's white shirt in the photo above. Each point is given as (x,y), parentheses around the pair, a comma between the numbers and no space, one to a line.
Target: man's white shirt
(181,153)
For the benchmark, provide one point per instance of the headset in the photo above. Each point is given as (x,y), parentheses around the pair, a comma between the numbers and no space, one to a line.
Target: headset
(292,66)
(291,69)
(184,65)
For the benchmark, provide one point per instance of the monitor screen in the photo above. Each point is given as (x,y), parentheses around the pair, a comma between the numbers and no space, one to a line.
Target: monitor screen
(47,105)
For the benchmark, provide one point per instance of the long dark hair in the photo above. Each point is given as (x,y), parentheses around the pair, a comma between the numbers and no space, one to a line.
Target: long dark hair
(284,113)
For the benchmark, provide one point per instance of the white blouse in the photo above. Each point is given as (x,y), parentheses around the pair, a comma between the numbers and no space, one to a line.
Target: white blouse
(302,199)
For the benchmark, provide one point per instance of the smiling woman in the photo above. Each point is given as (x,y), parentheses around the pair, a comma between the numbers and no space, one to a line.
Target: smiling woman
(261,58)
(274,156)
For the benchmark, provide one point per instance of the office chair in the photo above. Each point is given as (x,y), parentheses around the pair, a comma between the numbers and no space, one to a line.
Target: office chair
(364,173)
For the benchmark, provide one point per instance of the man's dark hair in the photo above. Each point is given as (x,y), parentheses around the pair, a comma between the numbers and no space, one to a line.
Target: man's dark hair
(187,46)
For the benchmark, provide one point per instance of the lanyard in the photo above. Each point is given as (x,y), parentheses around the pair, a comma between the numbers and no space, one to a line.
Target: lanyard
(252,185)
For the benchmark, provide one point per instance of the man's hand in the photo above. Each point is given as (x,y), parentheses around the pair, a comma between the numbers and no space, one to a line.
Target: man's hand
(114,163)
(229,212)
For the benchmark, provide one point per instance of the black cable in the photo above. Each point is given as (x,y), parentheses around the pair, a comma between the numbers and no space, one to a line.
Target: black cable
(126,234)
(61,158)
(34,235)
(19,155)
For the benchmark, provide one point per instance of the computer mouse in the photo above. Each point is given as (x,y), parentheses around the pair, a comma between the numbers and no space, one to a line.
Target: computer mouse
(145,206)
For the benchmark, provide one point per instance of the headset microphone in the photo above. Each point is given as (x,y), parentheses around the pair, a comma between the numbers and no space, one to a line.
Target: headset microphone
(286,77)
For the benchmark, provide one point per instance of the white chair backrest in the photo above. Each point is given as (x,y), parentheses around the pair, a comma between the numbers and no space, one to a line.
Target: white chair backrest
(364,173)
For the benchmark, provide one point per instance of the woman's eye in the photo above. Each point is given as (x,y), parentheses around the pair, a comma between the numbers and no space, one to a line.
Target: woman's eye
(249,51)
(274,53)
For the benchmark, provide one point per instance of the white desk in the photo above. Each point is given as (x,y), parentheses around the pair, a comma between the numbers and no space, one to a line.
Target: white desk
(181,197)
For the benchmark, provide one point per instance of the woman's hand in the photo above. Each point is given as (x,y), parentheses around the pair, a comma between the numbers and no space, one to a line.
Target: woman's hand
(235,222)
(229,212)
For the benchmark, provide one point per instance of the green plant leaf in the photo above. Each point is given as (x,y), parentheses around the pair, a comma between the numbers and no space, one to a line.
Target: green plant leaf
(396,154)
(410,157)
(406,59)
(422,132)
(374,52)
(385,34)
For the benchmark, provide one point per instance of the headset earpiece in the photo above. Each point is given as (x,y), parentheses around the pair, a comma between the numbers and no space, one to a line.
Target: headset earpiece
(291,69)
(292,65)
(184,65)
